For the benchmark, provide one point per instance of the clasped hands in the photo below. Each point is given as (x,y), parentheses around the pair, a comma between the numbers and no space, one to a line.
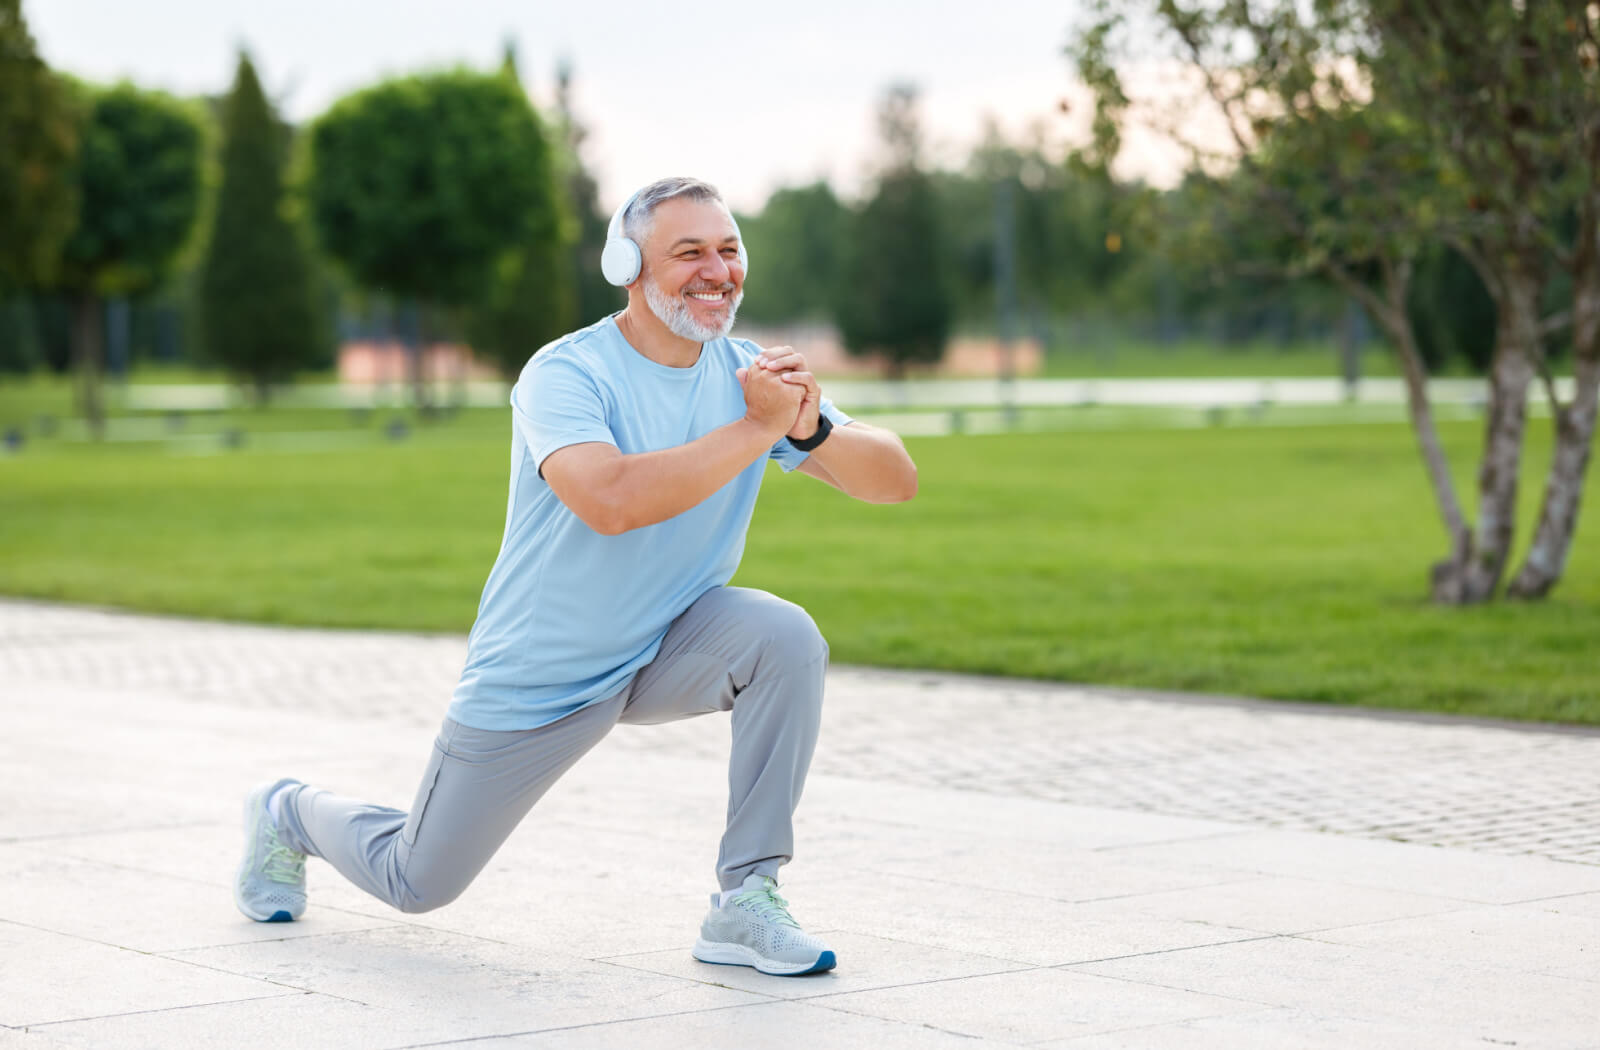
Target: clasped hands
(780,390)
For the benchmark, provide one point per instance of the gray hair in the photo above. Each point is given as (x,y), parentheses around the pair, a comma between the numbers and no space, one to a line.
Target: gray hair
(641,214)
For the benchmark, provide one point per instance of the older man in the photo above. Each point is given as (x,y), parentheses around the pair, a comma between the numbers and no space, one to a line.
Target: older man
(638,447)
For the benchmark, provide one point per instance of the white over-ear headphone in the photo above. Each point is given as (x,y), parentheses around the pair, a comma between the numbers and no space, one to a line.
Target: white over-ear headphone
(621,259)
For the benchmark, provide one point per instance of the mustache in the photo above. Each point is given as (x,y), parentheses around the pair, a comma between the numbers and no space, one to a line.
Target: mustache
(726,286)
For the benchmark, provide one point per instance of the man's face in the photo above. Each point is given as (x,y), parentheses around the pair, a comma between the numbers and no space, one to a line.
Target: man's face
(693,281)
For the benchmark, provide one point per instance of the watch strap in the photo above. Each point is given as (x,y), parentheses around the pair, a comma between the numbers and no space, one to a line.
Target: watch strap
(824,428)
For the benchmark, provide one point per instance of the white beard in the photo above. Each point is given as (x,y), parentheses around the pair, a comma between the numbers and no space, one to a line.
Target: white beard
(674,313)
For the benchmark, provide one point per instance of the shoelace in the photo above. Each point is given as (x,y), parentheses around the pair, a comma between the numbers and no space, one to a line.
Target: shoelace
(766,903)
(284,864)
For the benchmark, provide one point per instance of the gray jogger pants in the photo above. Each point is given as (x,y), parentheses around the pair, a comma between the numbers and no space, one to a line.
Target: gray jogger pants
(733,649)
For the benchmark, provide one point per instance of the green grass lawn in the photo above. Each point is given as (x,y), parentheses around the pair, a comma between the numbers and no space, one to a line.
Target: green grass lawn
(1271,561)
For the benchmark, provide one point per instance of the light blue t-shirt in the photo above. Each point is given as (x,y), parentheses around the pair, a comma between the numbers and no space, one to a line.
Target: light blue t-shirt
(568,615)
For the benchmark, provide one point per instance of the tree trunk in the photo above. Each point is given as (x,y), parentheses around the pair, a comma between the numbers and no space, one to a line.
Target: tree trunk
(1389,312)
(1433,457)
(409,325)
(1475,577)
(1574,423)
(87,354)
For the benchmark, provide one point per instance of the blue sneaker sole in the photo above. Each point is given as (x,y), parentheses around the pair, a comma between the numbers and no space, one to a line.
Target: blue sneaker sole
(824,963)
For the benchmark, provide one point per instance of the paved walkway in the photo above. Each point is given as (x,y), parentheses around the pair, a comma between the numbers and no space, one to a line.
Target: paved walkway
(997,863)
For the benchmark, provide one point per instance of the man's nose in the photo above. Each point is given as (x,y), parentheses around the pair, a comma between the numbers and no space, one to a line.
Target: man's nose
(718,269)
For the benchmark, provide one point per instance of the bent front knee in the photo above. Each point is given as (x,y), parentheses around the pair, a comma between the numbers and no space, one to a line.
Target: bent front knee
(793,637)
(413,902)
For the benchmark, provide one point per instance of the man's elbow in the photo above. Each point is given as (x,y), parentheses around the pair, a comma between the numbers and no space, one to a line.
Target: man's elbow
(900,488)
(907,487)
(608,517)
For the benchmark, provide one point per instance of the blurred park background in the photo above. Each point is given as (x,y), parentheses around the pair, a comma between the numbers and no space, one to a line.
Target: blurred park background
(1256,354)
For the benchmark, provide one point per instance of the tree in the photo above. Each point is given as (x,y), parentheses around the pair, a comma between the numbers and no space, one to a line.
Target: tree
(137,178)
(38,144)
(892,297)
(596,296)
(796,241)
(1364,133)
(532,296)
(419,186)
(1029,235)
(255,296)
(1510,93)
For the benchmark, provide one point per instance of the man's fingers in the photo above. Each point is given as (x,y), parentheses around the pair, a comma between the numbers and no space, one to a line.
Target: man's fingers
(804,378)
(781,360)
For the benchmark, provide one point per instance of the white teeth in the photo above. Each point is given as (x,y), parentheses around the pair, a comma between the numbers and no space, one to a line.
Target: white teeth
(708,297)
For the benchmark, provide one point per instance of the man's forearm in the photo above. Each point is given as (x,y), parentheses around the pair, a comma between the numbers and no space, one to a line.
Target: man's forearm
(868,463)
(649,487)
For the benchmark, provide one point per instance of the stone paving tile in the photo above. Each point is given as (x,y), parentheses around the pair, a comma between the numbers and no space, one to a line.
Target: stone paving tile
(140,910)
(959,814)
(1515,937)
(286,1022)
(1021,865)
(1457,784)
(463,985)
(869,963)
(1478,1002)
(1453,873)
(29,1039)
(1267,1030)
(1279,905)
(1034,1005)
(42,975)
(1585,904)
(771,1026)
(963,919)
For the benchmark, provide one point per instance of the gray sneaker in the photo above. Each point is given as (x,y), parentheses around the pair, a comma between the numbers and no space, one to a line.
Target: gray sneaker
(271,886)
(754,928)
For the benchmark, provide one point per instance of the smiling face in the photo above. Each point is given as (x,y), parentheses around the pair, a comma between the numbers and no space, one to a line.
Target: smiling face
(692,277)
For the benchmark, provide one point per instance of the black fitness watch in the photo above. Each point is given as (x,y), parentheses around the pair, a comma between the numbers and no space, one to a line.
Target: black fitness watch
(824,428)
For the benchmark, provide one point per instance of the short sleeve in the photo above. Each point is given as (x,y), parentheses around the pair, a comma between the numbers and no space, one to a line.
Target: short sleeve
(555,404)
(788,456)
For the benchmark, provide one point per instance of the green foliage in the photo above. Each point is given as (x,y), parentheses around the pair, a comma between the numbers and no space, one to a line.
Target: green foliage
(38,143)
(892,299)
(420,185)
(1453,312)
(796,246)
(1509,93)
(1269,562)
(1073,244)
(595,295)
(532,296)
(138,180)
(531,300)
(255,292)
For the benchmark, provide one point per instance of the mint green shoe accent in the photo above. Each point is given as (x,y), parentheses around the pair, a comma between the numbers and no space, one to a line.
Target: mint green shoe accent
(765,902)
(754,928)
(271,884)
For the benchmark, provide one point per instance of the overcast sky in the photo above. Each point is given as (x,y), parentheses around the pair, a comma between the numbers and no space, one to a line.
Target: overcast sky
(750,96)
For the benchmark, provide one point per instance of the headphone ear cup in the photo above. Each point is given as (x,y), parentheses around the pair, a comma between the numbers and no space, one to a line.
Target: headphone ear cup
(619,261)
(744,258)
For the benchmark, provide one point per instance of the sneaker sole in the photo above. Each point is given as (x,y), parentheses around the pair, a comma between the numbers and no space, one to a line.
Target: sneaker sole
(725,954)
(251,801)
